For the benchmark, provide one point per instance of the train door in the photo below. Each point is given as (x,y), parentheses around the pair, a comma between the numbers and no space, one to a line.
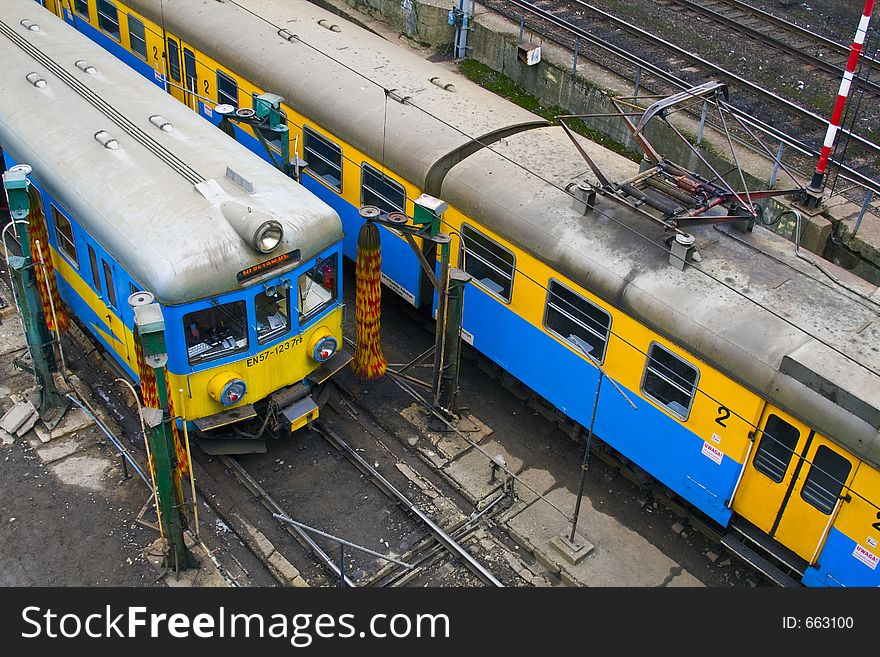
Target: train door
(816,494)
(172,69)
(792,482)
(113,316)
(191,81)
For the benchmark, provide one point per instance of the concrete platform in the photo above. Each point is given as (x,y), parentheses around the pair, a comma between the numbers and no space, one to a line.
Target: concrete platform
(620,557)
(533,482)
(448,444)
(473,471)
(75,419)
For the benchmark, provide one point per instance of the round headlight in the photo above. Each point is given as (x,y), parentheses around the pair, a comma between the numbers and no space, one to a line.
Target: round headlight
(233,392)
(324,349)
(268,236)
(227,388)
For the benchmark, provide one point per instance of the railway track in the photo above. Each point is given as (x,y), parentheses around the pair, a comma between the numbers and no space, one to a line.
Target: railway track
(400,570)
(575,25)
(441,538)
(793,41)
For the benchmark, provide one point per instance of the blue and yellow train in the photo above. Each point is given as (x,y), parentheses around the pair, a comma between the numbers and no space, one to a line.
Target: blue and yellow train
(759,378)
(143,200)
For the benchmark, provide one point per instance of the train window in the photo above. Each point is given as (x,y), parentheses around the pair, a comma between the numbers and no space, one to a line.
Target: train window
(216,332)
(670,381)
(108,18)
(82,8)
(378,189)
(488,262)
(227,90)
(577,320)
(137,37)
(64,236)
(273,314)
(317,288)
(189,69)
(108,279)
(323,158)
(826,479)
(777,445)
(96,275)
(173,60)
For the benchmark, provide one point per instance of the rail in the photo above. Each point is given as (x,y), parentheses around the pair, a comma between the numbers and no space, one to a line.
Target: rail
(813,60)
(389,489)
(581,35)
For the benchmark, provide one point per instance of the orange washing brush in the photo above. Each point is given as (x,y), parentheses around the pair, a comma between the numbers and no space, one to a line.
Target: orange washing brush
(45,271)
(368,361)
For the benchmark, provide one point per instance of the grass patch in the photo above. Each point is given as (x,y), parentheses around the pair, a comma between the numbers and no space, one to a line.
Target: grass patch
(503,86)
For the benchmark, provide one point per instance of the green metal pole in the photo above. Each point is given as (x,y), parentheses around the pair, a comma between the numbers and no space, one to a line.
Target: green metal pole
(162,448)
(440,342)
(51,404)
(448,393)
(150,335)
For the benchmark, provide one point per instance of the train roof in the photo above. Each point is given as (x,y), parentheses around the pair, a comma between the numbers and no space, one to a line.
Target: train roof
(758,313)
(156,202)
(334,90)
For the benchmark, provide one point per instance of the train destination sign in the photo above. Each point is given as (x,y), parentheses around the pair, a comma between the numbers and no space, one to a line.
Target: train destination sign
(268,265)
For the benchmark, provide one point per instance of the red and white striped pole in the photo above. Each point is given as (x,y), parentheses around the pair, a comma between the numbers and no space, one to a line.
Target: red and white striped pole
(834,125)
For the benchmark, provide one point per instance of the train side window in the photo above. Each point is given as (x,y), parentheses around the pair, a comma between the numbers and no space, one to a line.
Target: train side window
(173,59)
(108,18)
(776,448)
(273,314)
(108,279)
(323,158)
(669,380)
(64,236)
(227,90)
(378,189)
(577,320)
(826,479)
(317,288)
(215,332)
(96,275)
(189,69)
(137,37)
(488,262)
(82,8)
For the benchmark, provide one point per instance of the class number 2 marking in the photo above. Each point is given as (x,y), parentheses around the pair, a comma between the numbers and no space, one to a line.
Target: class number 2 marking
(723,414)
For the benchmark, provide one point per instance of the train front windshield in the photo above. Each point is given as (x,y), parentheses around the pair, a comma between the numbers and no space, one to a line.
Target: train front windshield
(216,332)
(222,329)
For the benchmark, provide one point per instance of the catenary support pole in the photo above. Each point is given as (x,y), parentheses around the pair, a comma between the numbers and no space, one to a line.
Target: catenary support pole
(814,191)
